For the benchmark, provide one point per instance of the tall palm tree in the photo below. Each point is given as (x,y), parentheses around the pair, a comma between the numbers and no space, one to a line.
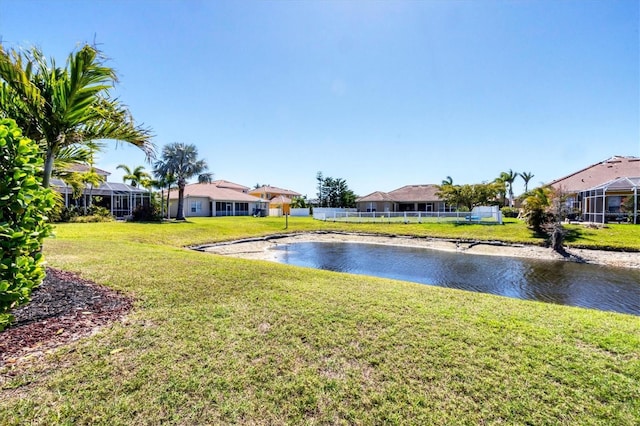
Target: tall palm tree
(181,161)
(526,177)
(509,178)
(447,181)
(137,176)
(64,107)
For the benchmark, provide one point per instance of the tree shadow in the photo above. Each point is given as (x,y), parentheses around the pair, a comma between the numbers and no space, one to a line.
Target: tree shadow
(572,235)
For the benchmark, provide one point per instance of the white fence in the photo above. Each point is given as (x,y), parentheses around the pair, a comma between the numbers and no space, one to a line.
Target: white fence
(300,212)
(488,214)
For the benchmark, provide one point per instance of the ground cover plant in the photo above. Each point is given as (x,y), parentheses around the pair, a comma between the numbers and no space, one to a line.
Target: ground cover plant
(216,340)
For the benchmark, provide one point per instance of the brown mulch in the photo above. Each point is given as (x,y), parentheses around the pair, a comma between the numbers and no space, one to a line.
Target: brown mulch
(63,308)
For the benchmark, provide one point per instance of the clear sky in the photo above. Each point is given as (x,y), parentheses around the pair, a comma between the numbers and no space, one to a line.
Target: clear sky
(382,94)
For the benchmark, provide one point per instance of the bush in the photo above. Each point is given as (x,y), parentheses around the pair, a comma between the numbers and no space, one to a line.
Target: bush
(146,213)
(510,212)
(24,204)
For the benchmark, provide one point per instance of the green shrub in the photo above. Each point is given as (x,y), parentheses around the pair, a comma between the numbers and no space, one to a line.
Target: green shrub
(92,218)
(146,213)
(510,212)
(24,204)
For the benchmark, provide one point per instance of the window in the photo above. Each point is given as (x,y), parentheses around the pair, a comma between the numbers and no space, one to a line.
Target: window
(196,206)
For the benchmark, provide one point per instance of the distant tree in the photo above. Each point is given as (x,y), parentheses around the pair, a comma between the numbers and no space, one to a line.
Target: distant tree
(322,198)
(91,179)
(181,161)
(334,192)
(526,177)
(299,202)
(447,181)
(469,196)
(508,178)
(63,107)
(137,176)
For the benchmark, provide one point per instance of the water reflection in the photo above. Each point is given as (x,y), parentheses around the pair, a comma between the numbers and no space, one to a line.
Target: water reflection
(591,286)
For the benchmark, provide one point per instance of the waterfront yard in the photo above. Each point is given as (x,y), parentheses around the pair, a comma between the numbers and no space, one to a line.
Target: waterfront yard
(216,340)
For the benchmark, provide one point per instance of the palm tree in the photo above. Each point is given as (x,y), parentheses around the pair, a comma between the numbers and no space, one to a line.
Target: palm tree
(137,176)
(508,178)
(526,177)
(181,161)
(65,107)
(447,181)
(163,181)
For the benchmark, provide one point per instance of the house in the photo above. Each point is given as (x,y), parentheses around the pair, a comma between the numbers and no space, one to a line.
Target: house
(278,198)
(616,200)
(600,187)
(210,199)
(119,198)
(418,198)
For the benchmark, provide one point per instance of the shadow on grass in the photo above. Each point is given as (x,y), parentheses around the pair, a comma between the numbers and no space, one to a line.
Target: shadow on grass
(573,235)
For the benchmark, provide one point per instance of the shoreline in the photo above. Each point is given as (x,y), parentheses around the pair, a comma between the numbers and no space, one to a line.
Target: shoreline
(260,248)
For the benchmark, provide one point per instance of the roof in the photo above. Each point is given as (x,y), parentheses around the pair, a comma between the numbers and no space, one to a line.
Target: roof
(599,173)
(279,200)
(620,184)
(214,192)
(415,193)
(266,189)
(406,194)
(82,168)
(105,188)
(375,197)
(230,185)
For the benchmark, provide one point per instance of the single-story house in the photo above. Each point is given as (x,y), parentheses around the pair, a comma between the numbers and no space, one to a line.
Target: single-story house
(416,198)
(209,199)
(594,176)
(616,200)
(119,198)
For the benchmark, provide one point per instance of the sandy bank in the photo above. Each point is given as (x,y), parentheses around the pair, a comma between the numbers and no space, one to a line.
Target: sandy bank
(260,248)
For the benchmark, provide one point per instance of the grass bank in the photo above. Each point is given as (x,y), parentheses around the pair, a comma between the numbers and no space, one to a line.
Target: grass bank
(217,340)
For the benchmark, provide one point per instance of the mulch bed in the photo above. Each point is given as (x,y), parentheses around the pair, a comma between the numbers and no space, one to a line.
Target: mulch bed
(63,308)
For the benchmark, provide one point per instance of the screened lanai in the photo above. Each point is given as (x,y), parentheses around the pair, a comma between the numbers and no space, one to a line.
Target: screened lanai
(613,201)
(119,198)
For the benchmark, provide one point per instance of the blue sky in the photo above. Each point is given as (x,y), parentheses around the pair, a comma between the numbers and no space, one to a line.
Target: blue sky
(382,94)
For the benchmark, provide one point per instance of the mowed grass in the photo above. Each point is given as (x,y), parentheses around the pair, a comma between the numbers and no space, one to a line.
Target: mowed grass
(216,340)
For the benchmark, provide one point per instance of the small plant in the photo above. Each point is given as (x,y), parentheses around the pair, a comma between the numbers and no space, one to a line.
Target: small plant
(24,204)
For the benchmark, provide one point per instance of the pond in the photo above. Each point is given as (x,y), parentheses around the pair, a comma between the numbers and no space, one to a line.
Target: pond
(566,283)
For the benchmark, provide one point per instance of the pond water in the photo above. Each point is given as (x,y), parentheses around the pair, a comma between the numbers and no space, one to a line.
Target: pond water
(566,283)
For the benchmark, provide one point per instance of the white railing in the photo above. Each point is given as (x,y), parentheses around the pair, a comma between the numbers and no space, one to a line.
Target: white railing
(475,216)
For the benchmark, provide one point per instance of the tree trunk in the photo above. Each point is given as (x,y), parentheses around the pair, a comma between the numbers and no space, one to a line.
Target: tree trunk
(180,213)
(168,193)
(48,168)
(557,238)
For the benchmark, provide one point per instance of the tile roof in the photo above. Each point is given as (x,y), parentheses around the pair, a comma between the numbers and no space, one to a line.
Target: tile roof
(279,200)
(230,185)
(214,193)
(599,173)
(266,189)
(375,197)
(82,168)
(408,193)
(415,193)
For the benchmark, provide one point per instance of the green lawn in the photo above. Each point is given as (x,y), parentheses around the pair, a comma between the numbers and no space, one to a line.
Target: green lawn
(216,340)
